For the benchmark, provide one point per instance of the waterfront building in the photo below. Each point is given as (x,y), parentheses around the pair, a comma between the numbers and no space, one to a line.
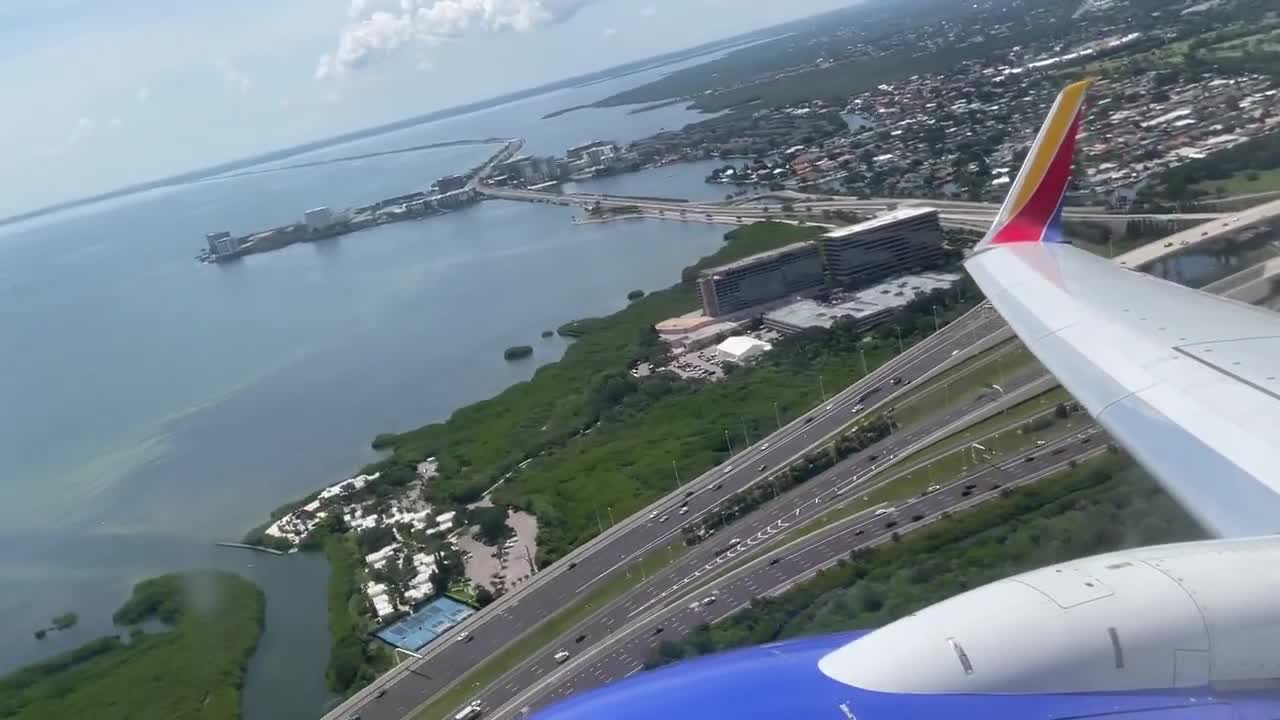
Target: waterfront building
(214,237)
(902,241)
(318,218)
(790,270)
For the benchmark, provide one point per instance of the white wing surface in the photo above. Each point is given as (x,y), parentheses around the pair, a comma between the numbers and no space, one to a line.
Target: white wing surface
(1188,383)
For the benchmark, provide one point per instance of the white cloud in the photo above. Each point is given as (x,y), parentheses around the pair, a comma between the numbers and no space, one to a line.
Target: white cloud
(609,32)
(143,95)
(379,27)
(233,76)
(649,11)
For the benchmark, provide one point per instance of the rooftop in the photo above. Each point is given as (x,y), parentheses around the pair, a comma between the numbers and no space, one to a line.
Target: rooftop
(881,220)
(758,257)
(877,299)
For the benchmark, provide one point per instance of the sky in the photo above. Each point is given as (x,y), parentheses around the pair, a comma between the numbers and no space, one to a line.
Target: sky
(101,95)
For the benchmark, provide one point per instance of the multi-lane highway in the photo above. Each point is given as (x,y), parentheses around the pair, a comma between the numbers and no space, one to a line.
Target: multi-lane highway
(761,527)
(633,637)
(413,683)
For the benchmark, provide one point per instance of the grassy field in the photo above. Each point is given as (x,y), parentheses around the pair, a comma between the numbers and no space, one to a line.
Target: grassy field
(1240,183)
(536,641)
(192,670)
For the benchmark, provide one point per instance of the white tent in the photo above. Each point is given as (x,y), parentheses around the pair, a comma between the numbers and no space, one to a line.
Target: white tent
(740,348)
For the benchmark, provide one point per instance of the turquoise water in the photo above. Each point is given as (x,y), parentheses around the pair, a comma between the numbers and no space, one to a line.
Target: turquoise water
(153,405)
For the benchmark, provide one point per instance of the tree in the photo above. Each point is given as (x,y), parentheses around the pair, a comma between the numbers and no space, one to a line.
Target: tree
(1061,411)
(484,597)
(492,524)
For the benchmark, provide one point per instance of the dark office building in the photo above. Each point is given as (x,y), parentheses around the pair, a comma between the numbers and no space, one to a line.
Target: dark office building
(903,241)
(757,279)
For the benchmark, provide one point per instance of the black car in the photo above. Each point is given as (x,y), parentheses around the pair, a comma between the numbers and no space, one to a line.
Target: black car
(573,565)
(717,486)
(380,693)
(580,638)
(808,420)
(873,457)
(657,630)
(971,486)
(689,493)
(774,561)
(1058,451)
(966,493)
(859,532)
(891,524)
(917,518)
(1029,458)
(896,381)
(1085,441)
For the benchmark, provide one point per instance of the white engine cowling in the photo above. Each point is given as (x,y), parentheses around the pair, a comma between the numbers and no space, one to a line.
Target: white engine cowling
(1184,615)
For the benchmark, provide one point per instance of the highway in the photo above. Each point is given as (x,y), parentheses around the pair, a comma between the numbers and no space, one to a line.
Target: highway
(956,212)
(415,682)
(632,638)
(762,527)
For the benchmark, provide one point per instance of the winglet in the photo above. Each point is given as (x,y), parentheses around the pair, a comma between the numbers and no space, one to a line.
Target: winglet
(1032,212)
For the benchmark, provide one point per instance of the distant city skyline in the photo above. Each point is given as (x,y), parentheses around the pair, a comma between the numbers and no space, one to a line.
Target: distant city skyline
(106,96)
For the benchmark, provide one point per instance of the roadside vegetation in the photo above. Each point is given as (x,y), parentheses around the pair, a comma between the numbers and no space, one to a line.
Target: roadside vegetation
(191,669)
(355,657)
(1105,504)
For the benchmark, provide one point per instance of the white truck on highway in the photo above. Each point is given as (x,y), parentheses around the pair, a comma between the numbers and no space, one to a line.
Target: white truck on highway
(469,712)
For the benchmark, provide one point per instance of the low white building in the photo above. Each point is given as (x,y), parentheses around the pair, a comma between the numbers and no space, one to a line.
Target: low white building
(741,348)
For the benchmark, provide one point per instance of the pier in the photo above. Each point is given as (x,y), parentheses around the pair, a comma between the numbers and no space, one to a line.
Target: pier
(245,546)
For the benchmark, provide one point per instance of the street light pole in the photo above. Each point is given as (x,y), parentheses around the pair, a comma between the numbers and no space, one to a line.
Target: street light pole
(898,328)
(863,354)
(745,437)
(728,442)
(777,415)
(936,325)
(677,474)
(599,524)
(609,509)
(822,388)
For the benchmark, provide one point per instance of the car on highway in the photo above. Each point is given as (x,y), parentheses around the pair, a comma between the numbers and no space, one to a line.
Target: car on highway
(735,542)
(469,712)
(717,486)
(891,524)
(917,517)
(727,469)
(896,381)
(932,489)
(762,467)
(1057,451)
(859,532)
(662,519)
(808,420)
(774,561)
(884,511)
(708,599)
(689,493)
(378,695)
(857,408)
(580,638)
(653,514)
(831,406)
(971,486)
(561,656)
(1040,443)
(465,637)
(657,630)
(1085,441)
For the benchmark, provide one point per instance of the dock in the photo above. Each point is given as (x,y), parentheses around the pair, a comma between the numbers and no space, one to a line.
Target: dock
(246,546)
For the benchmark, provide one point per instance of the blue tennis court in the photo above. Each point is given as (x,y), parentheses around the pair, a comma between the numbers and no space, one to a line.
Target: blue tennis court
(430,622)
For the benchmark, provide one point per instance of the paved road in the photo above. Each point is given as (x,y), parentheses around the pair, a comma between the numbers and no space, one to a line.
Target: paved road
(756,530)
(605,558)
(623,653)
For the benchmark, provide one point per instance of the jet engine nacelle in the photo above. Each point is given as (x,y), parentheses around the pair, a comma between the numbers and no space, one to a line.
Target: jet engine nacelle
(1202,614)
(1167,628)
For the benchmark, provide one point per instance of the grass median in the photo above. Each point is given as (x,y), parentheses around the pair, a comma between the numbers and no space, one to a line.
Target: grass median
(489,671)
(963,382)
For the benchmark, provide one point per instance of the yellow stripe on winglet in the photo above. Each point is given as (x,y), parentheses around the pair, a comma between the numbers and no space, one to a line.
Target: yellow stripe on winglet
(1052,135)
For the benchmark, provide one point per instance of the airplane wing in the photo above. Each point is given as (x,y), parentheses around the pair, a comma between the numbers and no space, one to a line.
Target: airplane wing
(1187,382)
